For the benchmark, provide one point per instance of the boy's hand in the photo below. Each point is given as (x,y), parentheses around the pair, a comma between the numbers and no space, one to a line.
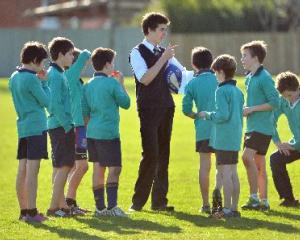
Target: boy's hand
(42,75)
(247,111)
(119,76)
(169,52)
(284,148)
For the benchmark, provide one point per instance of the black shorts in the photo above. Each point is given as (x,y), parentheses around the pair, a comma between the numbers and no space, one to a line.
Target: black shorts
(257,141)
(63,147)
(80,143)
(33,147)
(203,147)
(226,157)
(106,152)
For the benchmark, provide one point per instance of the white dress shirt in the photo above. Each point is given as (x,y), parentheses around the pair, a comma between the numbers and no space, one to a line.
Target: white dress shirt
(139,65)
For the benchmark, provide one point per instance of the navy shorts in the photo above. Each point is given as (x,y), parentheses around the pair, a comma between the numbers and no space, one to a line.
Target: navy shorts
(226,157)
(203,147)
(63,147)
(257,141)
(80,143)
(33,147)
(106,152)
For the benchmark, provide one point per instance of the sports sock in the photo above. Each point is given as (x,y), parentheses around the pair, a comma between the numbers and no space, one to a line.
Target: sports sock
(99,197)
(112,195)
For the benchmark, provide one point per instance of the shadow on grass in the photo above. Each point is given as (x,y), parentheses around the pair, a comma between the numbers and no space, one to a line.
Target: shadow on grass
(126,226)
(66,233)
(242,223)
(283,214)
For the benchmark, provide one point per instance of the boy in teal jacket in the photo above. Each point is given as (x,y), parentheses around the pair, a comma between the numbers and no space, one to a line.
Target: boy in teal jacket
(201,90)
(226,139)
(262,99)
(60,123)
(288,152)
(30,97)
(75,85)
(102,97)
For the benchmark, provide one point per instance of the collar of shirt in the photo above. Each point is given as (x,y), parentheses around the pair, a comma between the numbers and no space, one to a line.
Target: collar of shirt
(203,71)
(231,82)
(20,69)
(258,71)
(100,74)
(58,68)
(149,45)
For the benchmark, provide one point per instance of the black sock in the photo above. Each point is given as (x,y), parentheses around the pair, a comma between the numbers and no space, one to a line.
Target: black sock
(71,202)
(32,212)
(23,212)
(99,198)
(291,199)
(112,195)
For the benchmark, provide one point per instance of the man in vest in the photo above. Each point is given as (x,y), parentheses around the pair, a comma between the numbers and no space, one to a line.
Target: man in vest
(156,110)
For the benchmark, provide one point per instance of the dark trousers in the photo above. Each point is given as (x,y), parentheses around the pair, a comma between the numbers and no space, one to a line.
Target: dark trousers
(156,128)
(280,175)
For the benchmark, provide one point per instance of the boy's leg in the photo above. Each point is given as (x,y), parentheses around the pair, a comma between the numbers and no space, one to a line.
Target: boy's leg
(112,186)
(252,173)
(281,177)
(98,186)
(161,179)
(236,188)
(21,186)
(32,170)
(60,179)
(81,165)
(75,177)
(226,174)
(205,165)
(262,180)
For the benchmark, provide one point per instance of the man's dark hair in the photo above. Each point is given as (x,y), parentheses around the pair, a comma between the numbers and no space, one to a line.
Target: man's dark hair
(100,56)
(201,57)
(152,20)
(33,52)
(227,64)
(287,81)
(59,45)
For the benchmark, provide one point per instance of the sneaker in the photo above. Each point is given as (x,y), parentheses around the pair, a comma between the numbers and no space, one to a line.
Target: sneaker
(117,212)
(59,212)
(22,217)
(163,208)
(205,209)
(236,214)
(264,206)
(290,203)
(252,204)
(100,213)
(134,208)
(216,201)
(37,218)
(77,211)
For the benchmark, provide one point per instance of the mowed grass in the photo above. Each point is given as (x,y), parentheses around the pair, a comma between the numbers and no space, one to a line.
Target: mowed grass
(185,223)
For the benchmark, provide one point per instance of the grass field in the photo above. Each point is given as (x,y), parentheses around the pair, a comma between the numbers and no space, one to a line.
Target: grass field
(185,223)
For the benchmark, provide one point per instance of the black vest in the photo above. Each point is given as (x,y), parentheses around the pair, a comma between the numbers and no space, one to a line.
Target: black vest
(157,93)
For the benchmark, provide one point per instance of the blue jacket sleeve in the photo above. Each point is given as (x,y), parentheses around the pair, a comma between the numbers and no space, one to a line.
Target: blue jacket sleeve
(84,103)
(187,101)
(121,97)
(40,90)
(267,85)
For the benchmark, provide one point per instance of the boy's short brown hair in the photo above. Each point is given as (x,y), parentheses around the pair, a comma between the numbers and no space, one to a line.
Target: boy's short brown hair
(100,56)
(59,45)
(152,20)
(33,52)
(287,81)
(201,57)
(257,49)
(227,64)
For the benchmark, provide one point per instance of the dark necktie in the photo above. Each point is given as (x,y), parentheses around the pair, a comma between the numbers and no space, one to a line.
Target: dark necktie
(156,51)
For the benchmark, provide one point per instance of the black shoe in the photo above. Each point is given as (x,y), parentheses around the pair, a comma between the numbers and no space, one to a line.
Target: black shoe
(290,203)
(164,208)
(134,208)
